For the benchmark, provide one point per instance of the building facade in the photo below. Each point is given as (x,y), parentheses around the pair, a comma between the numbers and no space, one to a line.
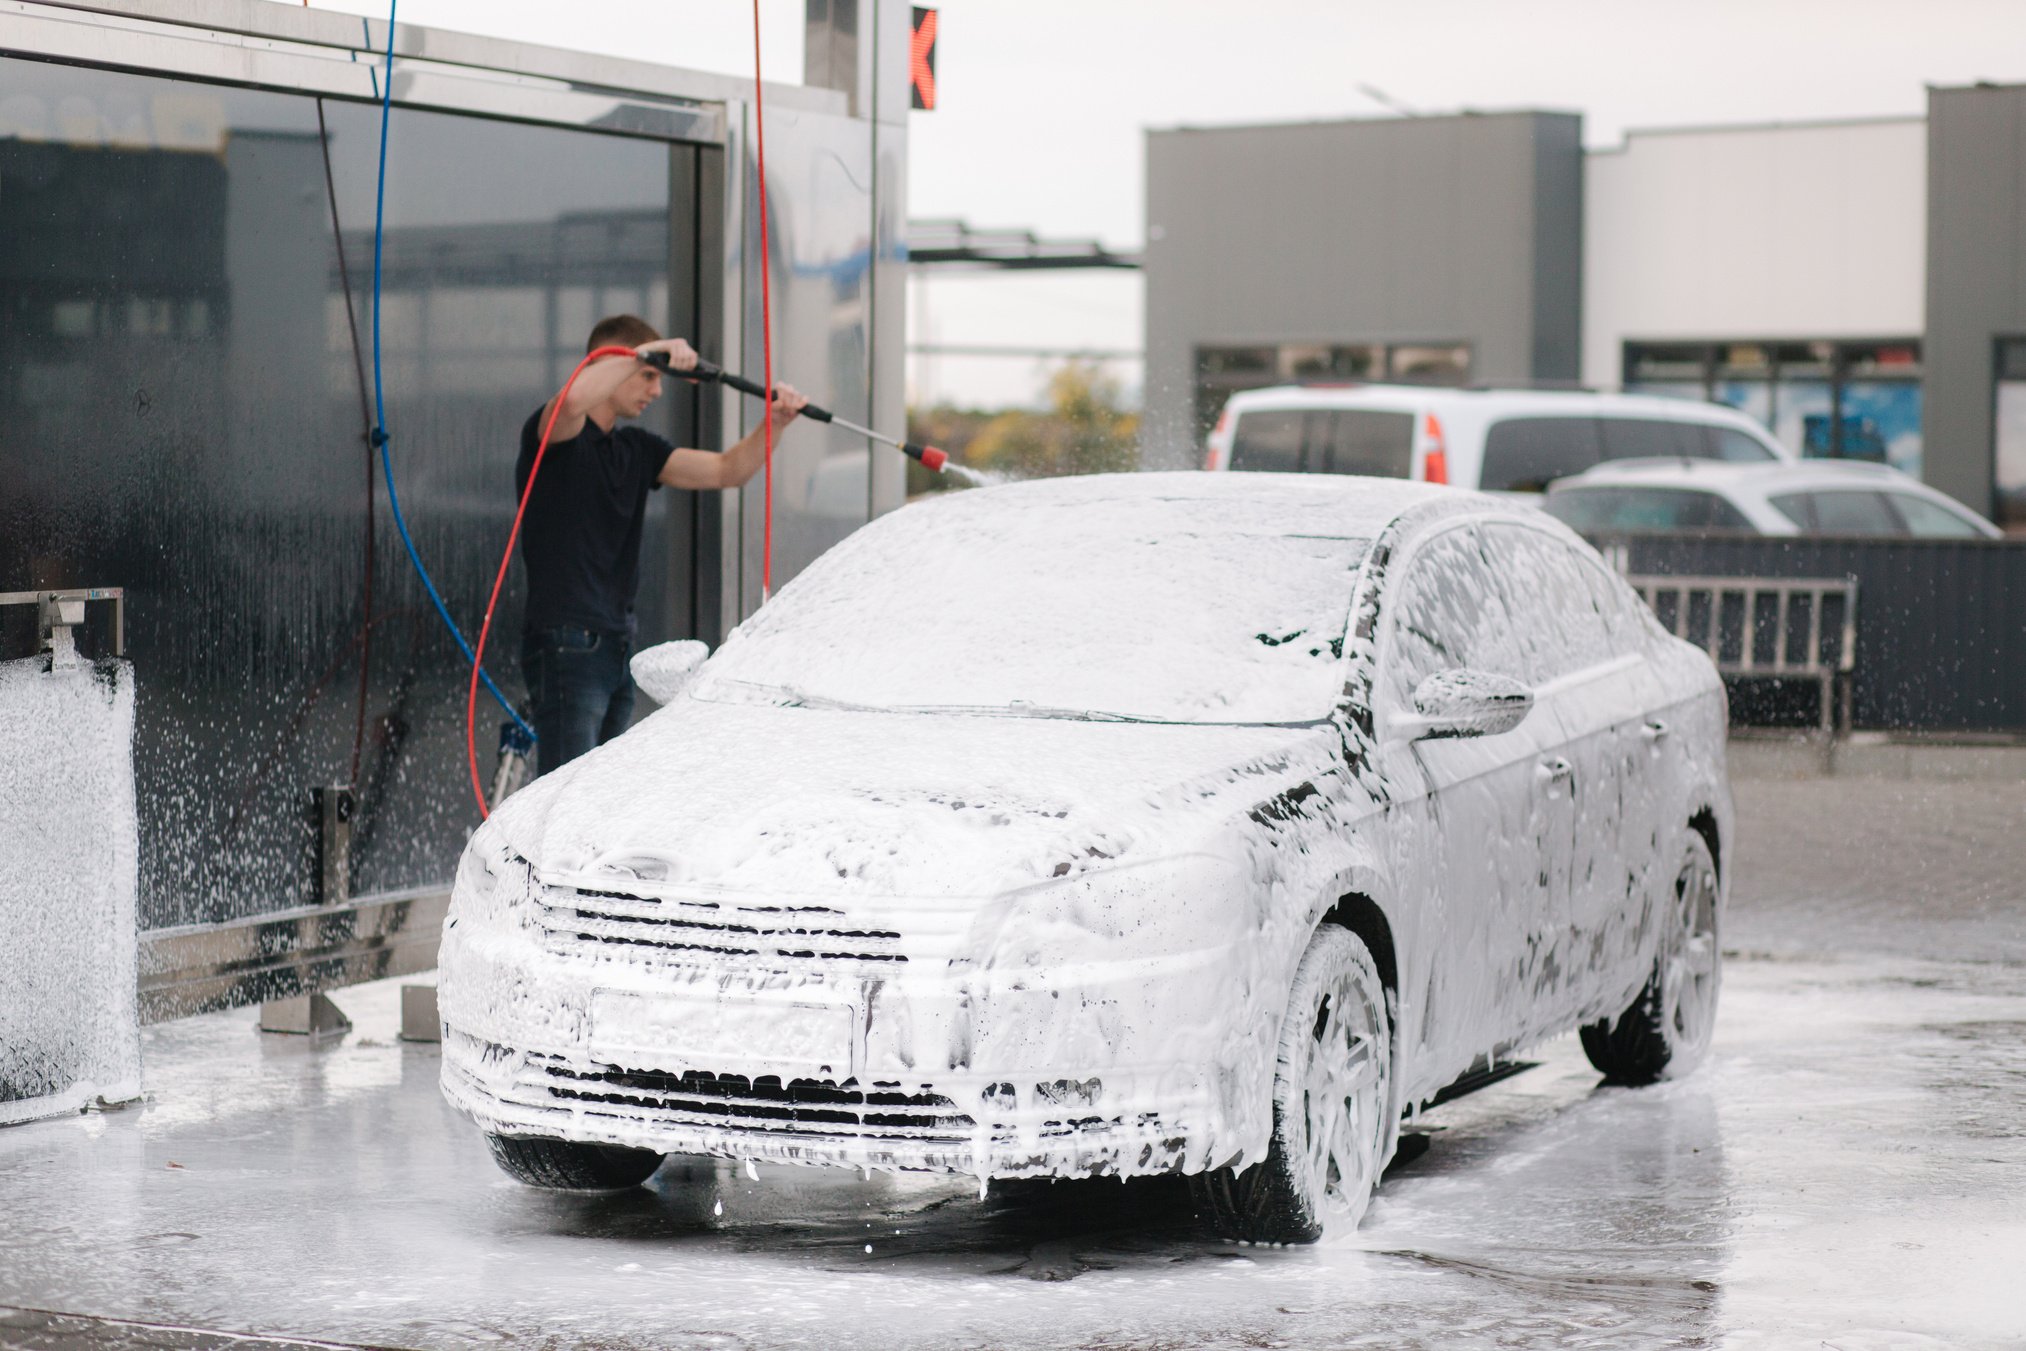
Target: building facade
(1858,286)
(1441,248)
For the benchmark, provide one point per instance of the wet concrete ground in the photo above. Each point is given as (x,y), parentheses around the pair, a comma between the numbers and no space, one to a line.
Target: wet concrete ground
(1849,1171)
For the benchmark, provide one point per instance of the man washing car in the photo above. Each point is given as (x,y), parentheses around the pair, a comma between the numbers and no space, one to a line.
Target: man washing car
(580,538)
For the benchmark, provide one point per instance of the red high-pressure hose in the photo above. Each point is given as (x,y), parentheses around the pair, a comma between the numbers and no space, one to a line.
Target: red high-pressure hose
(928,455)
(766,322)
(506,561)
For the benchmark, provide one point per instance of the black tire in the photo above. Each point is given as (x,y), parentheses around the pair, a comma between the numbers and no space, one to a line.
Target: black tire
(565,1165)
(1666,1032)
(1337,1003)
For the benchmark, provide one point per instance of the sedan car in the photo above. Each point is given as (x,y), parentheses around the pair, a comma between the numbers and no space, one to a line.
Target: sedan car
(1809,497)
(1116,825)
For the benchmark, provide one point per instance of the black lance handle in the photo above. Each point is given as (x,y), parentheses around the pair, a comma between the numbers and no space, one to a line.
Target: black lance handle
(709,372)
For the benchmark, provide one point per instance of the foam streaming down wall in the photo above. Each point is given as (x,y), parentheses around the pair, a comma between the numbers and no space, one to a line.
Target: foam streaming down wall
(69,1022)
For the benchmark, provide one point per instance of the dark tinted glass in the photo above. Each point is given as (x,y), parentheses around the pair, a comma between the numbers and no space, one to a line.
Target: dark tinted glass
(1269,442)
(1931,520)
(1653,438)
(1738,448)
(1527,454)
(1614,510)
(1852,512)
(1367,441)
(1796,507)
(183,419)
(1724,516)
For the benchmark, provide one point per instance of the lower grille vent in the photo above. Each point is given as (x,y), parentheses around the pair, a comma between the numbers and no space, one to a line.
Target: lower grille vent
(797,1106)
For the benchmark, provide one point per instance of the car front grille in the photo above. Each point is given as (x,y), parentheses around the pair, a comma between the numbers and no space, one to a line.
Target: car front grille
(798,1107)
(680,927)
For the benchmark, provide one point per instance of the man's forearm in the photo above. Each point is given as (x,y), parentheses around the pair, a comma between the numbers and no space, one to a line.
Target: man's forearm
(596,382)
(745,457)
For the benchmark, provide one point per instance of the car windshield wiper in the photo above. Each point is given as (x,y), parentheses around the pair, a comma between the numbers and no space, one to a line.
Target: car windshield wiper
(1021,709)
(794,696)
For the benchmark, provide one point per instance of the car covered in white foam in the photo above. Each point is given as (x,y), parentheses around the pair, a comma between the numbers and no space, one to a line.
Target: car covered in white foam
(1108,826)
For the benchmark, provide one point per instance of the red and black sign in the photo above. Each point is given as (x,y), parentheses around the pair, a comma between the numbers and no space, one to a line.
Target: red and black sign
(922,58)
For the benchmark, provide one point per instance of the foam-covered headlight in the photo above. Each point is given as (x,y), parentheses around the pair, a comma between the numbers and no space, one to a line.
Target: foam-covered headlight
(495,886)
(1163,908)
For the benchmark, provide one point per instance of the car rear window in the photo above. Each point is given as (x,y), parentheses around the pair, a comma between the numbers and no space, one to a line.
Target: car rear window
(1738,448)
(1525,455)
(1628,438)
(1847,512)
(1269,442)
(1324,441)
(1595,511)
(1370,441)
(1931,520)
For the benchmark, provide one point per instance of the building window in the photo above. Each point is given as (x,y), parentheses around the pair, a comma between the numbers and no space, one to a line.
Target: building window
(1828,400)
(2008,442)
(1223,371)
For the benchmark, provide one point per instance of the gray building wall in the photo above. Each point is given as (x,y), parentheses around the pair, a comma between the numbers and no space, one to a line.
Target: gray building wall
(1976,276)
(1434,229)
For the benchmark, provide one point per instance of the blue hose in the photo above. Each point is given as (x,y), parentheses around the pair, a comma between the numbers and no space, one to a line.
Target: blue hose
(380,437)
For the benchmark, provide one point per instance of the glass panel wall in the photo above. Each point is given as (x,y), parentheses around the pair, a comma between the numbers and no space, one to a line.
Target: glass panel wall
(1825,399)
(2008,467)
(184,415)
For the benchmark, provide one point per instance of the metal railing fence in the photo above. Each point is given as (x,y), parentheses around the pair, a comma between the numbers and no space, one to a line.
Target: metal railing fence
(1760,627)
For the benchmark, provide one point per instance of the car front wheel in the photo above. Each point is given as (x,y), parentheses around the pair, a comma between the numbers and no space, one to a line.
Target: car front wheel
(1666,1032)
(567,1165)
(1332,1091)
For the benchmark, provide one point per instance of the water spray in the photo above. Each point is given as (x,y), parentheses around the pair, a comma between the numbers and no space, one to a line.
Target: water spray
(705,372)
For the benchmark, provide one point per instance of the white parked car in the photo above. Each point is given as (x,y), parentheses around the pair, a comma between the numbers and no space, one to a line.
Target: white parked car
(1108,826)
(1810,497)
(1497,440)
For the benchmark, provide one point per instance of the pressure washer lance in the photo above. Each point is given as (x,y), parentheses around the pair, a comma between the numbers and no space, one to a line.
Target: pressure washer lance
(515,745)
(706,372)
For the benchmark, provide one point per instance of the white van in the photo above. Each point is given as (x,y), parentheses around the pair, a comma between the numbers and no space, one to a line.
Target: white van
(1498,440)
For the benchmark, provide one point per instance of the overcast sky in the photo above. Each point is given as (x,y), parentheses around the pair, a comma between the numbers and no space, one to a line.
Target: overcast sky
(1044,102)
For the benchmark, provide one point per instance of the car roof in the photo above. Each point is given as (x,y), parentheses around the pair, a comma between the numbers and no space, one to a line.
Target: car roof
(1335,505)
(1761,477)
(1487,402)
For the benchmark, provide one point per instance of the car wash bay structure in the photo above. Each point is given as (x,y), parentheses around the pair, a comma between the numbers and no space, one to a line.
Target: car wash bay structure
(1858,286)
(186,417)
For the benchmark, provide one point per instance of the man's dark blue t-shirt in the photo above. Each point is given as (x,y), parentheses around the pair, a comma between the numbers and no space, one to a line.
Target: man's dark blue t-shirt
(580,538)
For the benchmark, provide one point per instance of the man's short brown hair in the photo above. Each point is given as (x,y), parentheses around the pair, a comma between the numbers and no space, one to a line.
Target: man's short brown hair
(621,330)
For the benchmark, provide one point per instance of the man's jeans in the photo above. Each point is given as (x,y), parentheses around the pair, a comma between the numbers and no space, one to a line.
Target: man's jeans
(579,689)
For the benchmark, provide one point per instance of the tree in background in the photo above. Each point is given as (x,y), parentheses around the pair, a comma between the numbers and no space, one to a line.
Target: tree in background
(1083,431)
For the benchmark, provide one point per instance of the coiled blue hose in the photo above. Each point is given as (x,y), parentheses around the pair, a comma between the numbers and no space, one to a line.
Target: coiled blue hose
(380,437)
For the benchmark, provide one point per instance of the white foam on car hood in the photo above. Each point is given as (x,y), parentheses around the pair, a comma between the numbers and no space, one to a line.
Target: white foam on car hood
(877,804)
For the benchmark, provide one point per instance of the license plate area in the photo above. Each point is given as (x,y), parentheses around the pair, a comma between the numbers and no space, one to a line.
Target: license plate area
(740,1035)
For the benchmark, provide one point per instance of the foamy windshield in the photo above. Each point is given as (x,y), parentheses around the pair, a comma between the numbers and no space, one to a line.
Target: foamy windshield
(1187,610)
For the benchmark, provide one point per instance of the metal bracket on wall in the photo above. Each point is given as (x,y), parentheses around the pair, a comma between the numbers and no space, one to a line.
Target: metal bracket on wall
(58,612)
(313,1014)
(306,1015)
(333,806)
(419,1018)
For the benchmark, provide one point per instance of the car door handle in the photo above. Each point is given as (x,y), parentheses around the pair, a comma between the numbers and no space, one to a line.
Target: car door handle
(1554,770)
(1654,730)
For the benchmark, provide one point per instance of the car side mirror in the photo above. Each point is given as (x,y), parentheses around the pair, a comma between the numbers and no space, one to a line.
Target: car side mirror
(664,671)
(1465,703)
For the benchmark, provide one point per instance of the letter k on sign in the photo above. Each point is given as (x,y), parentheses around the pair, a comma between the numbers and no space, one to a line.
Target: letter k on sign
(922,59)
